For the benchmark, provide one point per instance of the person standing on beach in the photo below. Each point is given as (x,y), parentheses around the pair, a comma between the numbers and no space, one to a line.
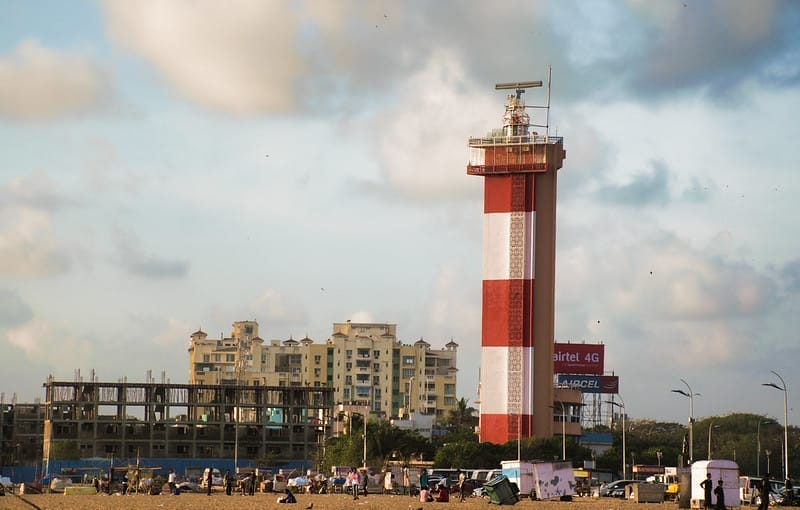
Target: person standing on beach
(356,483)
(461,479)
(228,483)
(423,479)
(365,482)
(719,492)
(764,491)
(708,487)
(171,480)
(209,480)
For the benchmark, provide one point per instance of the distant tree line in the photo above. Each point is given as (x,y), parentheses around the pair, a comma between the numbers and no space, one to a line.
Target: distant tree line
(733,437)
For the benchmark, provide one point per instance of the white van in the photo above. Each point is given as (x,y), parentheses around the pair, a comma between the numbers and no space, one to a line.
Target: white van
(216,478)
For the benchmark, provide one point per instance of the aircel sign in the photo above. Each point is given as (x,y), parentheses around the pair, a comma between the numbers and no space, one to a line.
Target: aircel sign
(578,358)
(608,384)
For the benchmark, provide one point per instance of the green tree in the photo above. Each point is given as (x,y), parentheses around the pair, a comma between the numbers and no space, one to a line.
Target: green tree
(462,416)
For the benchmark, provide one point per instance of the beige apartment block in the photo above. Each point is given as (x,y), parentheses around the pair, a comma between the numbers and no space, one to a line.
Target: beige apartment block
(365,363)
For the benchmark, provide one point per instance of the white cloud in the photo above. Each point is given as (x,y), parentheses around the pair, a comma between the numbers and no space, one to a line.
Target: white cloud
(27,245)
(174,333)
(273,309)
(237,58)
(49,343)
(361,316)
(423,140)
(146,265)
(37,82)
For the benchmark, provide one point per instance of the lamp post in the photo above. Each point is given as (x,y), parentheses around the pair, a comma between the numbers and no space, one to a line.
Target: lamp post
(691,396)
(622,407)
(235,441)
(711,426)
(408,396)
(365,442)
(563,430)
(768,452)
(758,444)
(785,421)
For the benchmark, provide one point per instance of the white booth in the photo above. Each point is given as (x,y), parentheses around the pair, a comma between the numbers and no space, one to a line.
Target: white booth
(720,469)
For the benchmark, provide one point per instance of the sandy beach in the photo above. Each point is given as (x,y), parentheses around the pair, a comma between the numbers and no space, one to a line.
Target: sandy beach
(219,501)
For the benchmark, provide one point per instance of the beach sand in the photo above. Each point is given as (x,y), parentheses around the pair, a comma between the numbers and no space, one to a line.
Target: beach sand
(219,501)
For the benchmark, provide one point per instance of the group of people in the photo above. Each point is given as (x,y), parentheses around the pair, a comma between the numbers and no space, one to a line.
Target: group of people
(442,489)
(764,492)
(356,482)
(718,491)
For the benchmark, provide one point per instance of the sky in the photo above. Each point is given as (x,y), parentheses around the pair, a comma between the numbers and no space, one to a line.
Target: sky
(184,164)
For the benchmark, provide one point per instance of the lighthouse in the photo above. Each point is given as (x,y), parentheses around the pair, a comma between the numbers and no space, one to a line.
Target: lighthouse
(519,167)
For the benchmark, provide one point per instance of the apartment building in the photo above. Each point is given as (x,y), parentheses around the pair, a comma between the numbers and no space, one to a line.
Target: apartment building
(365,364)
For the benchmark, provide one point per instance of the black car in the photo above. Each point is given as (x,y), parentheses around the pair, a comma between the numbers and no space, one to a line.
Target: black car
(615,489)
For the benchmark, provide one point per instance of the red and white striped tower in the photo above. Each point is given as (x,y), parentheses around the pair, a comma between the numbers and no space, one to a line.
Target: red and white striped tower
(519,233)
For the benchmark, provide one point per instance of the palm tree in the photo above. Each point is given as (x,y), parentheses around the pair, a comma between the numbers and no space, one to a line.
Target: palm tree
(463,416)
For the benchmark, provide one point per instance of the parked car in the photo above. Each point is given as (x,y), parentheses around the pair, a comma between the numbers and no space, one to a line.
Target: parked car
(615,489)
(780,498)
(216,478)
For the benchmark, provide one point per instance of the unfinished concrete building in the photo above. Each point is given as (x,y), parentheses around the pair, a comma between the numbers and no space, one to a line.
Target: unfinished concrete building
(161,420)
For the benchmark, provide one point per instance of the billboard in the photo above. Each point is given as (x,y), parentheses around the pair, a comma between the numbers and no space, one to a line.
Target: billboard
(591,383)
(578,358)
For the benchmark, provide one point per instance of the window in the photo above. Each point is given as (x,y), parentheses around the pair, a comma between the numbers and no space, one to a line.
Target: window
(348,380)
(376,354)
(230,358)
(317,372)
(376,380)
(348,366)
(206,358)
(449,389)
(408,360)
(217,357)
(183,449)
(408,373)
(348,353)
(317,360)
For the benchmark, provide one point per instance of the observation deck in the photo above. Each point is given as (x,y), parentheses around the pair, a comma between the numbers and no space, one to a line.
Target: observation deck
(510,154)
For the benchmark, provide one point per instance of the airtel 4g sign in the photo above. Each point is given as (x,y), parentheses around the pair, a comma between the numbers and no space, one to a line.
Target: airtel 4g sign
(578,358)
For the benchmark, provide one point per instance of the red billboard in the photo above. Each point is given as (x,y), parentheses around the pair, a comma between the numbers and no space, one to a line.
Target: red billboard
(578,358)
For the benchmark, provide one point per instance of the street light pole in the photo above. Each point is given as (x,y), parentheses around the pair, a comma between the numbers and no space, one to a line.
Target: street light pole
(563,432)
(365,442)
(622,406)
(710,427)
(235,441)
(691,396)
(785,421)
(758,444)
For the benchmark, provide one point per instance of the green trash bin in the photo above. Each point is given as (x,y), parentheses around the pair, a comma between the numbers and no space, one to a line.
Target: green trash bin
(500,491)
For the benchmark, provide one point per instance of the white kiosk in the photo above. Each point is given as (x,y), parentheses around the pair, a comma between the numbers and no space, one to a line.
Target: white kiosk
(725,470)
